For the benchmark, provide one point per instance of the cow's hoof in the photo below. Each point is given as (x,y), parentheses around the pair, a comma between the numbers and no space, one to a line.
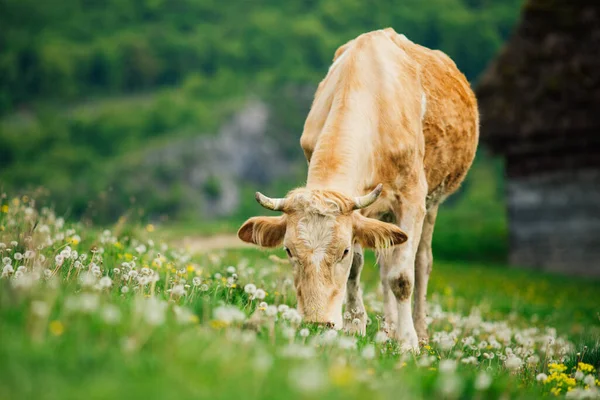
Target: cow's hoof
(422,333)
(408,340)
(356,327)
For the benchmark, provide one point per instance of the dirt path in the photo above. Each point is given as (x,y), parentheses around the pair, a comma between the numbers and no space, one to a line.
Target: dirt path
(201,244)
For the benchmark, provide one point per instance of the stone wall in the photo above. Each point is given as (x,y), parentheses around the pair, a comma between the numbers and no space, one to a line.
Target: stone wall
(555,221)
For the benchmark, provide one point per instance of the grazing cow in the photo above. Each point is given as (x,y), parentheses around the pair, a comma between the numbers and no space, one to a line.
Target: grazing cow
(399,122)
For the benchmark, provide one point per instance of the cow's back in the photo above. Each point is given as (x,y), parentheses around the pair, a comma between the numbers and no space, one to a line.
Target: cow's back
(446,133)
(451,120)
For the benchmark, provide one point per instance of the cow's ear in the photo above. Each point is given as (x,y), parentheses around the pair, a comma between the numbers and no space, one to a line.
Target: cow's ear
(374,234)
(263,231)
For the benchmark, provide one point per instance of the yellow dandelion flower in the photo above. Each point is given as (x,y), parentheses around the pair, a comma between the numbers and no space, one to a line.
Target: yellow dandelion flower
(555,367)
(118,245)
(555,391)
(583,367)
(194,319)
(150,228)
(173,270)
(190,268)
(216,324)
(74,240)
(5,208)
(128,256)
(233,286)
(427,347)
(56,328)
(341,375)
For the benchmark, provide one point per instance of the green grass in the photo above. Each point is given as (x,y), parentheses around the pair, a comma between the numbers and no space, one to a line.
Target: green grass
(50,350)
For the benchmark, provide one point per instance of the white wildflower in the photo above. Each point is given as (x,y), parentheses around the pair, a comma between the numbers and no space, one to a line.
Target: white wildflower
(307,378)
(228,314)
(18,256)
(304,332)
(271,311)
(87,279)
(448,366)
(259,294)
(111,314)
(7,270)
(541,377)
(59,259)
(329,336)
(40,309)
(368,352)
(178,291)
(513,363)
(381,337)
(533,360)
(288,332)
(105,282)
(88,302)
(483,381)
(283,308)
(590,380)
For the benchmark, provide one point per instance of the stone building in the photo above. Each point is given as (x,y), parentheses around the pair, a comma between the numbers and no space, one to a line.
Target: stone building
(540,110)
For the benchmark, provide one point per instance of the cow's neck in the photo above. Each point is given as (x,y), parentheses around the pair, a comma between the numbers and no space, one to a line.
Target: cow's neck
(341,160)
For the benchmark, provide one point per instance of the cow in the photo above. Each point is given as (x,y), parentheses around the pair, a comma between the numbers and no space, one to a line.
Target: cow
(392,131)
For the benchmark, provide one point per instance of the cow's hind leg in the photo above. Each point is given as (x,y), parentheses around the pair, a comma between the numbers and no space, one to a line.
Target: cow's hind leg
(423,264)
(355,317)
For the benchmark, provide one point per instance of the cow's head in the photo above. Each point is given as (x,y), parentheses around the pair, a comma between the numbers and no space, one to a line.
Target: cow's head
(318,229)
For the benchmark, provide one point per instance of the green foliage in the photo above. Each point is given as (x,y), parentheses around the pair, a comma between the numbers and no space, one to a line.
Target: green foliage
(117,314)
(87,87)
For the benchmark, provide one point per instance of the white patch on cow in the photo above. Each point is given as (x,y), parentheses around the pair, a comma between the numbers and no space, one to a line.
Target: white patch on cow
(316,231)
(423,105)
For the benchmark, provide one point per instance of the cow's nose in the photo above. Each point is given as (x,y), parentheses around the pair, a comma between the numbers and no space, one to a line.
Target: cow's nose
(328,325)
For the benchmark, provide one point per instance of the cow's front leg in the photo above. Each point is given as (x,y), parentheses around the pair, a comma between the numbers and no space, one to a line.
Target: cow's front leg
(355,316)
(398,274)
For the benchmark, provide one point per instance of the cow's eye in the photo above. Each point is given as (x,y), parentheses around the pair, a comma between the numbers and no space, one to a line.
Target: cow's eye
(289,253)
(346,253)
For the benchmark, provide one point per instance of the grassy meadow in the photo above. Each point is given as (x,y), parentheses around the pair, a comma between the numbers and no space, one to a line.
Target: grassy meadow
(117,313)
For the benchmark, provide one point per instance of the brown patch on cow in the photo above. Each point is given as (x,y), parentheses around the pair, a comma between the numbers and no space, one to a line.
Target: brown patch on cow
(401,287)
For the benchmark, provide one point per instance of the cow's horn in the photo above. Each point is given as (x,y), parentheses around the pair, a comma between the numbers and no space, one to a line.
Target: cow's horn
(269,203)
(367,199)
